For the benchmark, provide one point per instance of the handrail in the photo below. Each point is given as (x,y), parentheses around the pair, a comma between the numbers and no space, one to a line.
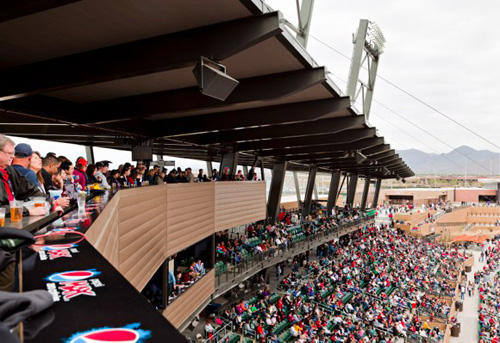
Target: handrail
(276,255)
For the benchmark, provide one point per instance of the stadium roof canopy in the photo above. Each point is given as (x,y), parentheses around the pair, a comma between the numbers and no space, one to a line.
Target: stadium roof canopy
(116,73)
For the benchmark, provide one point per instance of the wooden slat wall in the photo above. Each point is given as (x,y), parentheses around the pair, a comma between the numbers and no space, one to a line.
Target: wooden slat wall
(103,234)
(142,228)
(190,214)
(189,301)
(239,203)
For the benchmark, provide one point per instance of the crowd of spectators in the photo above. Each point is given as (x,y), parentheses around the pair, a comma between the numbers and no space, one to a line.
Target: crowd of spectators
(292,227)
(370,286)
(488,283)
(25,175)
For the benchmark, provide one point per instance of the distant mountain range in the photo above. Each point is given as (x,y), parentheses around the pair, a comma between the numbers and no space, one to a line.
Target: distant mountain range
(455,162)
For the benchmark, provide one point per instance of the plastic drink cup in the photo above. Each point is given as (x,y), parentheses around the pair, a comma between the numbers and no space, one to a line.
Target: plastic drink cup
(55,194)
(39,202)
(2,216)
(16,210)
(82,197)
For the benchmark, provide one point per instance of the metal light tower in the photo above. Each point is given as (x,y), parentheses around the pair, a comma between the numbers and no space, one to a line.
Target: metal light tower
(368,46)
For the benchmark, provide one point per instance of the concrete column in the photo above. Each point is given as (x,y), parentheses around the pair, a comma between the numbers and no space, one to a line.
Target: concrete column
(277,181)
(309,189)
(333,192)
(351,189)
(366,189)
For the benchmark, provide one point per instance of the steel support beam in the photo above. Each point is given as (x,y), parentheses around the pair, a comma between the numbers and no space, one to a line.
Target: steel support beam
(229,160)
(152,55)
(210,174)
(351,189)
(366,189)
(376,193)
(309,189)
(270,115)
(262,173)
(297,187)
(21,8)
(325,126)
(277,181)
(305,16)
(326,148)
(89,151)
(160,105)
(319,132)
(333,192)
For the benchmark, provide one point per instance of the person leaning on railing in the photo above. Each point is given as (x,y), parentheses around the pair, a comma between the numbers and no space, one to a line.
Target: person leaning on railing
(14,186)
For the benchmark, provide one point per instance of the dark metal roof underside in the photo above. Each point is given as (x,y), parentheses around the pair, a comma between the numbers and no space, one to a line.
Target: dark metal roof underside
(113,74)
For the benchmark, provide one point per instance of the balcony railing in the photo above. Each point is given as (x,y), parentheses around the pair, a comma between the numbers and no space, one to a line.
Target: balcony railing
(228,275)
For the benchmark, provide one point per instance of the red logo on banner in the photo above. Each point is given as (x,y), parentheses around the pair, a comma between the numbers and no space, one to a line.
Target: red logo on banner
(75,288)
(53,254)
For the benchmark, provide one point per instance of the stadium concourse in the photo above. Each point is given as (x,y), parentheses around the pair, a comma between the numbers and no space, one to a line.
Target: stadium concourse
(376,284)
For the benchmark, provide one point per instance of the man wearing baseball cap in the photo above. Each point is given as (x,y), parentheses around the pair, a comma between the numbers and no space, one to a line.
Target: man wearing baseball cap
(79,172)
(13,186)
(21,162)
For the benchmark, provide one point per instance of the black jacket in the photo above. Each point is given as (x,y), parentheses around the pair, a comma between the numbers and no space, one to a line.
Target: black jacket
(21,187)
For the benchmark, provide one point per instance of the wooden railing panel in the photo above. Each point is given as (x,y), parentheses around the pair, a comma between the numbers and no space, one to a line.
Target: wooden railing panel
(190,300)
(103,234)
(239,203)
(140,227)
(190,214)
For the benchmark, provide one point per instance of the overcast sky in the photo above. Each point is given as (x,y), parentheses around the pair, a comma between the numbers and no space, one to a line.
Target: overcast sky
(443,52)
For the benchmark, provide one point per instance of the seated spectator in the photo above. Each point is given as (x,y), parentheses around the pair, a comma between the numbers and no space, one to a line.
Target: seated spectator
(14,186)
(100,175)
(68,168)
(79,174)
(50,164)
(189,175)
(239,176)
(90,171)
(23,155)
(123,179)
(114,179)
(226,176)
(170,178)
(36,166)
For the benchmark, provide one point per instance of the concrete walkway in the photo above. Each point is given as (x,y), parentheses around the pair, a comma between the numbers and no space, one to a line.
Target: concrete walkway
(468,318)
